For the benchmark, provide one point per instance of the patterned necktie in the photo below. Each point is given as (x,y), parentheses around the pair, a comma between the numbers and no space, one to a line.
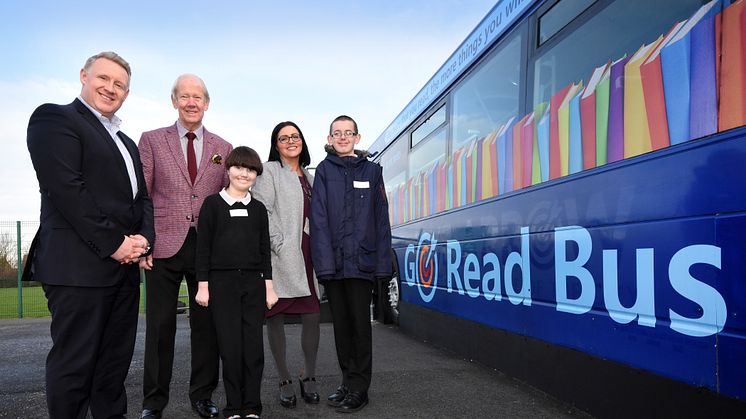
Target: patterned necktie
(191,157)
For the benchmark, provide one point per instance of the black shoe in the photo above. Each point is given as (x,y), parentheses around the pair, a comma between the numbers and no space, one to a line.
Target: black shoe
(150,414)
(311,398)
(338,396)
(354,401)
(205,408)
(288,401)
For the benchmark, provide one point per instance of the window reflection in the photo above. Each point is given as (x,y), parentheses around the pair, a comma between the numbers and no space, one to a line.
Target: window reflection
(559,16)
(489,97)
(618,29)
(434,121)
(394,164)
(428,152)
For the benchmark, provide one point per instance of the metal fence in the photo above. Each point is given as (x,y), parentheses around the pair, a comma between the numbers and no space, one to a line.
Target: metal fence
(17,299)
(26,299)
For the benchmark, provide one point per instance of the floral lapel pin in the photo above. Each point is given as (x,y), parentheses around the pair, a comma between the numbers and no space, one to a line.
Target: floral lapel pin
(216,159)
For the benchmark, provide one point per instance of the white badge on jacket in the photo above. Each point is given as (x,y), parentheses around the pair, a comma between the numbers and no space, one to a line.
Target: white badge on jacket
(357,184)
(239,213)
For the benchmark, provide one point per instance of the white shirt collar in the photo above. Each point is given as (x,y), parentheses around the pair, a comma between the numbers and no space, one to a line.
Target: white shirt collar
(112,124)
(182,131)
(231,200)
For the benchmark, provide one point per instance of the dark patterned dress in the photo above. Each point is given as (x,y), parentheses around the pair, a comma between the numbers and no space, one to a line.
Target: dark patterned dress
(310,303)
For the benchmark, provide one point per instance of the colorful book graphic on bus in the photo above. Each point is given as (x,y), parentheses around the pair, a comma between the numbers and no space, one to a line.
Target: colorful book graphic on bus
(636,104)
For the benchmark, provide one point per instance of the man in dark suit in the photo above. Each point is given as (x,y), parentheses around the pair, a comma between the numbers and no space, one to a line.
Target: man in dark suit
(182,165)
(96,220)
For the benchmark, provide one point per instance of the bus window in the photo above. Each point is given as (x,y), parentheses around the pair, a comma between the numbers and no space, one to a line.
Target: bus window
(424,161)
(489,97)
(560,15)
(394,163)
(618,29)
(434,121)
(427,153)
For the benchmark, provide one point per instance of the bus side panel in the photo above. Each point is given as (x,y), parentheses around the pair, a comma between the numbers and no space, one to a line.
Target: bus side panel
(731,231)
(636,262)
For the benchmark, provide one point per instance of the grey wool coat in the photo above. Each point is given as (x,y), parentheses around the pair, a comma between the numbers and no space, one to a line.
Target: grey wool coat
(279,189)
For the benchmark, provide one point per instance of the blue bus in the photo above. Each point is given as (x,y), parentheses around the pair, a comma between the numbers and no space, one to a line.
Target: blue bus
(567,197)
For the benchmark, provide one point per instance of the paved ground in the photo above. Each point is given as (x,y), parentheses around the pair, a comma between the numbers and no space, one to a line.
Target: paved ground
(411,379)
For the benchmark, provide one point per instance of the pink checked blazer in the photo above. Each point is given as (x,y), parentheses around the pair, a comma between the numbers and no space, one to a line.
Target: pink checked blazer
(175,200)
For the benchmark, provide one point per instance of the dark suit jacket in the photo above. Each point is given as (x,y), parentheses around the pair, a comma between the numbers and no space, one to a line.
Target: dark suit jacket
(86,199)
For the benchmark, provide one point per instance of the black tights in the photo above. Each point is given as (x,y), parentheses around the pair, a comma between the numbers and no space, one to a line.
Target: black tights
(309,343)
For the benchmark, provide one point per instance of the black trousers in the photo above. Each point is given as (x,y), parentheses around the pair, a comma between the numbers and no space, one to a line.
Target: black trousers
(162,292)
(238,301)
(349,301)
(93,337)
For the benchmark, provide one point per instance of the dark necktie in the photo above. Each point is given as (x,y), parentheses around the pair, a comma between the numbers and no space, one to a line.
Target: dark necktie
(191,157)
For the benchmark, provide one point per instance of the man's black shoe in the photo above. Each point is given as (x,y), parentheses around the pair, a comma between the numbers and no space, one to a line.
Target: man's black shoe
(354,401)
(150,414)
(338,396)
(205,408)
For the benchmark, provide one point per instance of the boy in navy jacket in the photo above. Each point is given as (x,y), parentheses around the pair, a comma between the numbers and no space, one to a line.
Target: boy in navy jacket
(351,248)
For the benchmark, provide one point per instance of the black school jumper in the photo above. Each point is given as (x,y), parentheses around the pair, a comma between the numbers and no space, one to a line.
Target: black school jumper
(233,254)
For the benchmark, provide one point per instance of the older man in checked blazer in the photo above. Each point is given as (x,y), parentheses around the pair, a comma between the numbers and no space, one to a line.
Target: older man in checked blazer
(182,164)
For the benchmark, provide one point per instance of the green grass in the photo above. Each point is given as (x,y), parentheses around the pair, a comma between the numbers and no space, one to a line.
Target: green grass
(35,303)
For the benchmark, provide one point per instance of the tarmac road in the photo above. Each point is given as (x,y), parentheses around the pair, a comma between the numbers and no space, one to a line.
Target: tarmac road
(411,379)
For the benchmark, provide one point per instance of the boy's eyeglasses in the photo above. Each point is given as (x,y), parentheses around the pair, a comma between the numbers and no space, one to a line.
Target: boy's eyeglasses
(346,134)
(294,138)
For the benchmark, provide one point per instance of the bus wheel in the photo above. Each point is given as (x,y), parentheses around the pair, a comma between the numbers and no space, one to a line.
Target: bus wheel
(390,300)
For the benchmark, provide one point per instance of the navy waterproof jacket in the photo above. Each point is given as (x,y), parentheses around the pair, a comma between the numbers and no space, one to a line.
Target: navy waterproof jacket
(350,230)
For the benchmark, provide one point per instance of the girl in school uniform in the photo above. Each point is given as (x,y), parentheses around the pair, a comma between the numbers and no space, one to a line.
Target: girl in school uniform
(234,271)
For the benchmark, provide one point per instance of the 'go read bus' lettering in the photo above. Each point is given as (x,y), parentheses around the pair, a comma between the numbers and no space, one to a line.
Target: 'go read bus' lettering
(474,277)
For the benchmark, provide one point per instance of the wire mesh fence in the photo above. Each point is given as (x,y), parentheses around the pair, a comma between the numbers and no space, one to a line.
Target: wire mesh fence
(26,299)
(17,299)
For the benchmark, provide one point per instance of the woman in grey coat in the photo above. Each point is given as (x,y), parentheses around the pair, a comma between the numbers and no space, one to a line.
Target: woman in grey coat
(285,189)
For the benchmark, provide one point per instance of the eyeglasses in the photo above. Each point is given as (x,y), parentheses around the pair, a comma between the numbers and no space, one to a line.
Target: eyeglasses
(346,134)
(293,138)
